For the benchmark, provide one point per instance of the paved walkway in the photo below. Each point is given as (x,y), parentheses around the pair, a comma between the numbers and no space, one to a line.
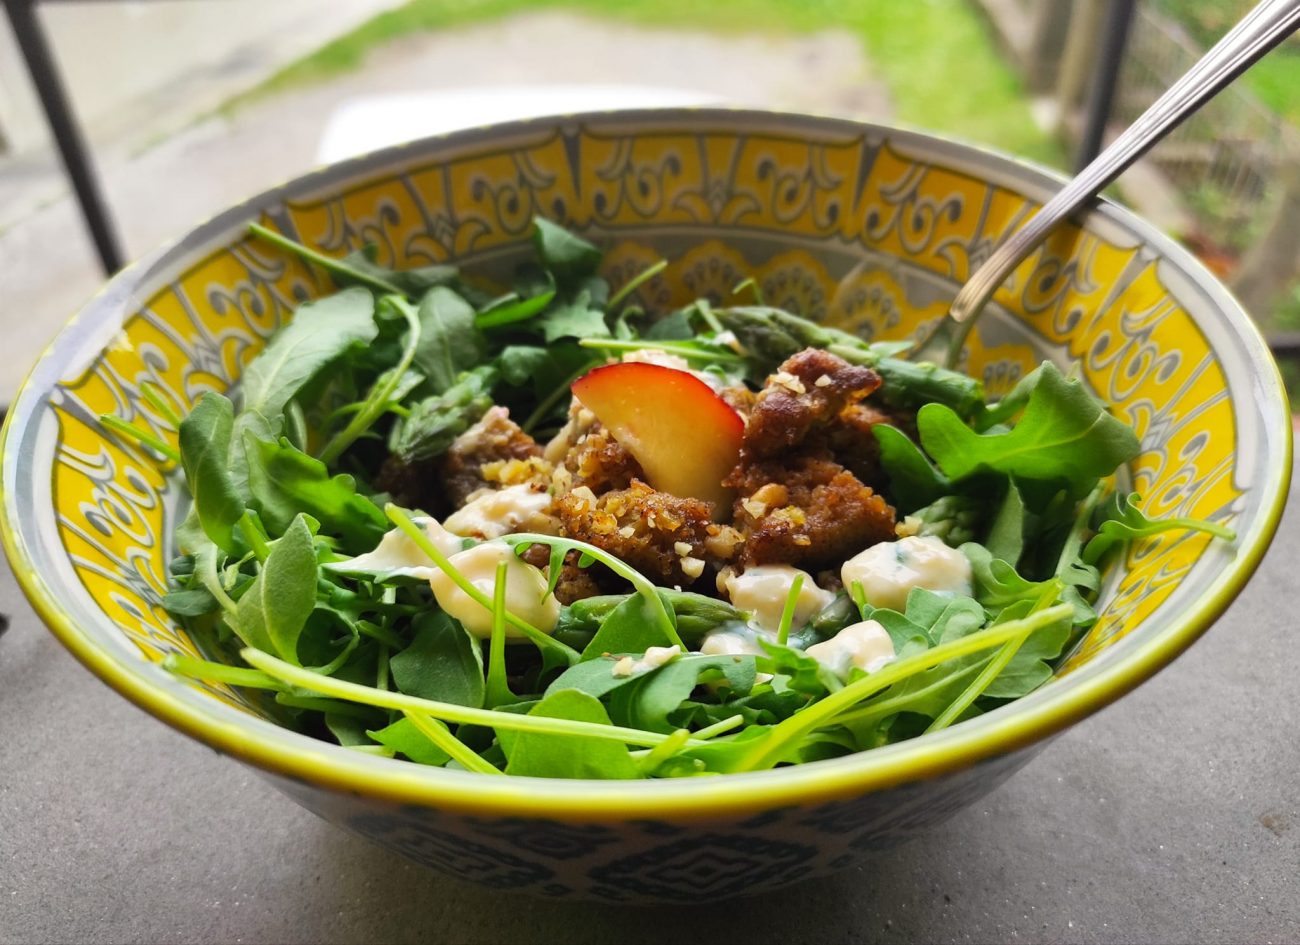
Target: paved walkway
(46,266)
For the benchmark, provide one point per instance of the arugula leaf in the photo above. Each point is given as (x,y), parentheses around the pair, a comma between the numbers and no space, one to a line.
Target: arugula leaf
(443,662)
(274,609)
(249,423)
(694,614)
(1065,439)
(675,326)
(285,481)
(1006,538)
(567,255)
(659,693)
(449,343)
(538,755)
(414,283)
(205,448)
(519,364)
(576,319)
(930,619)
(190,602)
(631,627)
(348,730)
(1006,409)
(998,585)
(1029,668)
(510,309)
(595,677)
(804,674)
(913,480)
(321,331)
(1120,519)
(402,736)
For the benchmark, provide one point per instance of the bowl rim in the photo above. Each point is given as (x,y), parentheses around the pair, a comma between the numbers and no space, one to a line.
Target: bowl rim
(300,758)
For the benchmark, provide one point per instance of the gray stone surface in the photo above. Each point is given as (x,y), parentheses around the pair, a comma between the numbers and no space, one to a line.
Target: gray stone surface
(1172,816)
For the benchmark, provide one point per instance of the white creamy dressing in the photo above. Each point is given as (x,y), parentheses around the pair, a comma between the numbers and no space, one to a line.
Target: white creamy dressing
(653,658)
(742,640)
(398,554)
(888,571)
(493,514)
(762,591)
(865,645)
(734,641)
(526,596)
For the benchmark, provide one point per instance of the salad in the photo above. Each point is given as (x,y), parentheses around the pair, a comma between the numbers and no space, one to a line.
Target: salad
(551,533)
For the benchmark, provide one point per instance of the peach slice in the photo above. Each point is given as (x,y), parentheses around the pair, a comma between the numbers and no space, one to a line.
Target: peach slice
(686,437)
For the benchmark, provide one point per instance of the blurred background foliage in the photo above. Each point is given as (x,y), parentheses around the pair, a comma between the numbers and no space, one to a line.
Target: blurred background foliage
(1013,74)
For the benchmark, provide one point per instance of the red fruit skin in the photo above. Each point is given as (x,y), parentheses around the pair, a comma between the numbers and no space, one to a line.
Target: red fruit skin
(686,437)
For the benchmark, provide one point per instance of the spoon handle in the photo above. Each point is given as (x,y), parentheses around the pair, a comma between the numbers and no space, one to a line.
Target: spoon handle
(1270,22)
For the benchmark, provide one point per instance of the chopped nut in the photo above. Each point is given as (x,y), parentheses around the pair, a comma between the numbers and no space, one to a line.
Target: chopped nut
(772,494)
(791,514)
(561,481)
(723,542)
(623,668)
(824,381)
(908,526)
(627,531)
(683,548)
(513,472)
(692,567)
(789,382)
(753,507)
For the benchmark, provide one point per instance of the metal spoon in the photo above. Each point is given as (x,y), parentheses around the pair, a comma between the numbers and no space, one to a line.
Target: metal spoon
(1268,24)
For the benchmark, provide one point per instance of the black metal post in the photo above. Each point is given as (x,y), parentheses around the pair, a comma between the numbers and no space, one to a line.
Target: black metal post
(1114,39)
(67,134)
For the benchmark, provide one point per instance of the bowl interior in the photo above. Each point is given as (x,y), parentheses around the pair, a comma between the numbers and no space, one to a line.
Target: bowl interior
(863,227)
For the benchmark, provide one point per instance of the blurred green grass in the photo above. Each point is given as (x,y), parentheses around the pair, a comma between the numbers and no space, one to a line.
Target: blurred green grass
(938,58)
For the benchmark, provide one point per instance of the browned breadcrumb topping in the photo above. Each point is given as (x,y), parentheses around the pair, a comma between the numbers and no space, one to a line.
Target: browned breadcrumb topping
(600,462)
(801,496)
(801,484)
(807,511)
(663,536)
(494,439)
(799,399)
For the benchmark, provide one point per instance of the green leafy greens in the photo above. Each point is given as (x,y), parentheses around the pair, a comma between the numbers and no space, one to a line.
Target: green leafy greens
(297,558)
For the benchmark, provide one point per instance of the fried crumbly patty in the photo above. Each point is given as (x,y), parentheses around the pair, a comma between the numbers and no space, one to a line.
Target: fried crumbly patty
(600,462)
(807,511)
(809,391)
(496,439)
(801,498)
(663,536)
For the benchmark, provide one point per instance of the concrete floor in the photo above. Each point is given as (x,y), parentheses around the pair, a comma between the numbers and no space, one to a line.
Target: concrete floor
(47,269)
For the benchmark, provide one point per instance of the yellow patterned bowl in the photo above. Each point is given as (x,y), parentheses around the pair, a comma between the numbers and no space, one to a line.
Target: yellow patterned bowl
(862,226)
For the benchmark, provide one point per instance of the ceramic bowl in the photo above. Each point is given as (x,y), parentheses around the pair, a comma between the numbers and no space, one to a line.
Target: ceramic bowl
(866,227)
